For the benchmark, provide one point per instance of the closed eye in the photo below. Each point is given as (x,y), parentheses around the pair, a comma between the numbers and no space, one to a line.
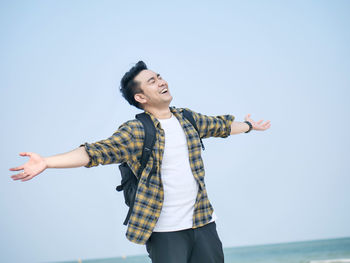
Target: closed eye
(151,80)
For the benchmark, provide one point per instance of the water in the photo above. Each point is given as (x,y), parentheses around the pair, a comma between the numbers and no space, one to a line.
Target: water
(317,251)
(296,252)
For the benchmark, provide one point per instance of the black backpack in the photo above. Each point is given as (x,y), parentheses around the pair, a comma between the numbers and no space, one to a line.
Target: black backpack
(129,180)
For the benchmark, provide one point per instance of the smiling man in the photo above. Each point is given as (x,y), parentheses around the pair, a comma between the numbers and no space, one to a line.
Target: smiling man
(172,214)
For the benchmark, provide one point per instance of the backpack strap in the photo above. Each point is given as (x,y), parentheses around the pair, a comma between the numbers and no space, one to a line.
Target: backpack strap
(188,115)
(148,143)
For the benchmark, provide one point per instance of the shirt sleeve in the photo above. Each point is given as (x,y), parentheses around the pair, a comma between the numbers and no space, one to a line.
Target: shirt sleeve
(213,126)
(116,149)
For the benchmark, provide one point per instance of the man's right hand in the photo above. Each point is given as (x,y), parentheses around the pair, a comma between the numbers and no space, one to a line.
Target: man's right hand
(35,165)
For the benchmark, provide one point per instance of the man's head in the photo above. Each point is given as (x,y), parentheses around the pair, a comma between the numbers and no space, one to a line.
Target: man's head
(142,88)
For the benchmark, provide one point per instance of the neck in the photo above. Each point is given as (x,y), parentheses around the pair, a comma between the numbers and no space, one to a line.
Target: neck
(163,113)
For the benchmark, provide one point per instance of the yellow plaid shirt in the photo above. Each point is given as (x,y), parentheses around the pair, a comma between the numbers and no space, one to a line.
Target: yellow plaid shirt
(125,145)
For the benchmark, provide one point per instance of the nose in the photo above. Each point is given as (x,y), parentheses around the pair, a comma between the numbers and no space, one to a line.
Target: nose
(161,82)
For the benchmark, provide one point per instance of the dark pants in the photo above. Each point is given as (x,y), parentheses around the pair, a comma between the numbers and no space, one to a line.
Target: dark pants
(199,245)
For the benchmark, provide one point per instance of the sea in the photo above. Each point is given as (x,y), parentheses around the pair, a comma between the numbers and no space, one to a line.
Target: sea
(315,251)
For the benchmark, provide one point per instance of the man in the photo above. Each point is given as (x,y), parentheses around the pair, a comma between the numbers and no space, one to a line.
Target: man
(172,214)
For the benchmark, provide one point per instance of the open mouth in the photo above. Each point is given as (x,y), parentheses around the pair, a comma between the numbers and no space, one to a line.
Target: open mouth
(164,91)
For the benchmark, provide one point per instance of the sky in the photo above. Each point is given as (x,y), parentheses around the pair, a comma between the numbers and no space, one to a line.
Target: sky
(283,61)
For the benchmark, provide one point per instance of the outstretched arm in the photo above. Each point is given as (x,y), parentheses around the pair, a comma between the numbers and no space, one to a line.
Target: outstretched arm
(239,127)
(37,164)
(115,149)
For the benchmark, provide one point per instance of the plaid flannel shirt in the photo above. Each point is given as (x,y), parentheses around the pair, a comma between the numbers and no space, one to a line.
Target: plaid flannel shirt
(125,145)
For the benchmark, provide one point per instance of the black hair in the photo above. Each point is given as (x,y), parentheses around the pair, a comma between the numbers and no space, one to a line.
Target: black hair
(129,87)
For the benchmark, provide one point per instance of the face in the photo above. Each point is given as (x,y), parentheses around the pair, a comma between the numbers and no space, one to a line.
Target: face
(155,90)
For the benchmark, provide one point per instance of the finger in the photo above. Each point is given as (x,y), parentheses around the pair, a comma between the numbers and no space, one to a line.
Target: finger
(17,168)
(19,176)
(24,154)
(16,178)
(27,178)
(259,121)
(266,123)
(267,126)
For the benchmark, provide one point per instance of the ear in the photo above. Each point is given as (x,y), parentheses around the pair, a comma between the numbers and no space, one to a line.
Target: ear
(140,98)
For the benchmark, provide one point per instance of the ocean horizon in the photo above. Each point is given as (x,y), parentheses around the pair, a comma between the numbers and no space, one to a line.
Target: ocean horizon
(336,250)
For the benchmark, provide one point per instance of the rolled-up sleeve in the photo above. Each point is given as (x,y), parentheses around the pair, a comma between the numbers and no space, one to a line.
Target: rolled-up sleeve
(213,126)
(115,149)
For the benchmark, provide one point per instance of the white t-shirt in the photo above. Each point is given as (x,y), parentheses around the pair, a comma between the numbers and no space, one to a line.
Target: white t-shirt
(179,185)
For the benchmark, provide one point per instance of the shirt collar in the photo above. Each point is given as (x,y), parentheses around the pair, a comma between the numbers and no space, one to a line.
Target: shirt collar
(173,109)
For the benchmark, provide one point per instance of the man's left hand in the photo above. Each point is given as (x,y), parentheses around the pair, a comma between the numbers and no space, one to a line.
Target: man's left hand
(259,126)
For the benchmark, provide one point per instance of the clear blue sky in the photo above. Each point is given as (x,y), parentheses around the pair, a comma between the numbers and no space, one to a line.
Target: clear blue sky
(284,61)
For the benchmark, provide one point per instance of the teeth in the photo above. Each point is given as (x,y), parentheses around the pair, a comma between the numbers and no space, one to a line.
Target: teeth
(164,90)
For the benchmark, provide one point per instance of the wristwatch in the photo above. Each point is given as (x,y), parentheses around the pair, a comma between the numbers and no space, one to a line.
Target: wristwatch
(250,126)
